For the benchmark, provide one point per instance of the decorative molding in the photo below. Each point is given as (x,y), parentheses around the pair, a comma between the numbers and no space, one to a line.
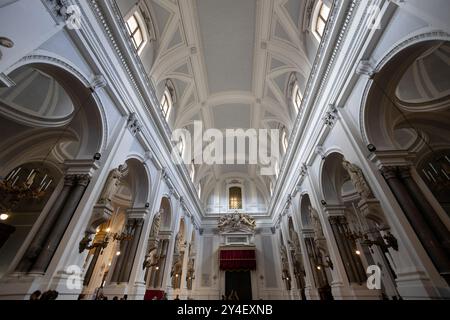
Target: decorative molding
(320,152)
(134,125)
(313,92)
(58,9)
(98,82)
(365,67)
(6,82)
(331,116)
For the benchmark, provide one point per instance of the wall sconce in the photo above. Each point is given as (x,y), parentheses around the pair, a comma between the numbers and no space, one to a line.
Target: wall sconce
(388,241)
(371,148)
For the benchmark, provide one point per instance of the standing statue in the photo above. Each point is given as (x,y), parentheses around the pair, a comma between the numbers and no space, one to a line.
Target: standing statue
(112,184)
(156,225)
(178,244)
(177,268)
(151,258)
(314,217)
(358,180)
(286,276)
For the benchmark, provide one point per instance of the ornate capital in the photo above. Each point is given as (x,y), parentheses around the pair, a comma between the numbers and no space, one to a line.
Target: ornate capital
(134,125)
(404,172)
(83,179)
(98,82)
(337,220)
(331,117)
(389,172)
(69,180)
(365,67)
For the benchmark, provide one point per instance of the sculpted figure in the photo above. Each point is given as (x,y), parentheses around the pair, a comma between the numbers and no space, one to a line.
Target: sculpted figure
(156,225)
(316,222)
(112,184)
(358,180)
(176,270)
(247,221)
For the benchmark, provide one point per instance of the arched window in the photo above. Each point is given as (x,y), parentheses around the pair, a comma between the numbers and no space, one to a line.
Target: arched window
(235,198)
(297,96)
(322,14)
(166,103)
(137,31)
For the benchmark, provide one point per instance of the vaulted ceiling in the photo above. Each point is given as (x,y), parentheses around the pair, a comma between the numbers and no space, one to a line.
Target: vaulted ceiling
(230,61)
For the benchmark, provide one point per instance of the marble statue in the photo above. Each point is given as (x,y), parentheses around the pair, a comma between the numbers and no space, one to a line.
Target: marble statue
(314,216)
(177,268)
(236,221)
(154,232)
(151,260)
(358,180)
(112,184)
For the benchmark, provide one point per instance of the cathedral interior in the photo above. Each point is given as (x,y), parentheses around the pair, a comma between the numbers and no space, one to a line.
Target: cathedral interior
(225,149)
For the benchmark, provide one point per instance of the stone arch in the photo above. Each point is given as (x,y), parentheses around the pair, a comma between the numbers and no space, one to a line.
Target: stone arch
(81,89)
(407,107)
(139,181)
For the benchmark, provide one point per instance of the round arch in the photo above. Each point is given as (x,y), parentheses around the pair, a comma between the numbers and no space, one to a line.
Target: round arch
(80,89)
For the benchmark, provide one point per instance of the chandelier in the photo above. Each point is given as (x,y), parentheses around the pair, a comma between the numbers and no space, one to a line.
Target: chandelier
(437,171)
(23,183)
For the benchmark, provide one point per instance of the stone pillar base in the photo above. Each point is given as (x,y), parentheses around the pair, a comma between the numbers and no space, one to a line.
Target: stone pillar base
(138,291)
(354,292)
(340,292)
(361,292)
(311,294)
(21,286)
(116,290)
(416,286)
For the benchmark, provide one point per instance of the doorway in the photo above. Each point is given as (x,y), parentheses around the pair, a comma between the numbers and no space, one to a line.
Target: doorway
(240,282)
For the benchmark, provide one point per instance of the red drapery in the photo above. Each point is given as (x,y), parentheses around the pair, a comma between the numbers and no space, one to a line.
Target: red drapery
(152,294)
(234,260)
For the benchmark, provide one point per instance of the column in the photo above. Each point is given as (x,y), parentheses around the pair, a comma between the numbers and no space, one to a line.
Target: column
(340,278)
(41,236)
(310,286)
(428,211)
(166,281)
(424,232)
(90,270)
(115,278)
(131,251)
(58,229)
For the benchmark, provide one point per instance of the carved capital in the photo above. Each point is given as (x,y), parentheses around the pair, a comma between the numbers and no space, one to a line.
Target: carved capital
(389,172)
(98,82)
(331,116)
(404,172)
(69,180)
(83,179)
(134,125)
